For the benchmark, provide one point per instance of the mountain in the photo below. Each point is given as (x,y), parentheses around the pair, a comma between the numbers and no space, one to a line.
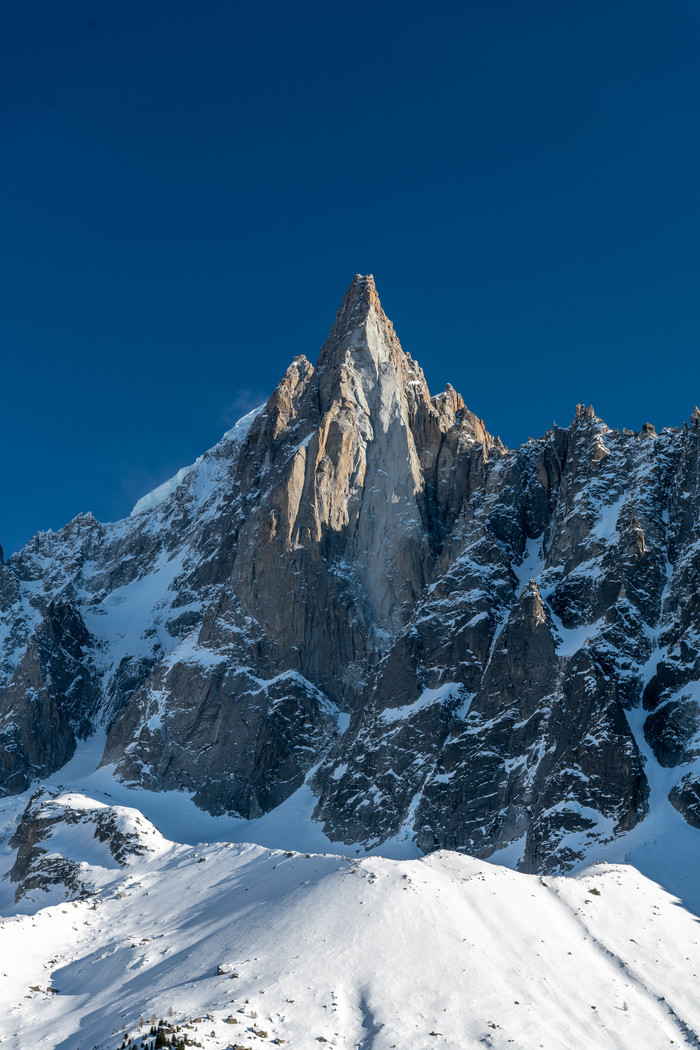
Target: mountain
(361,594)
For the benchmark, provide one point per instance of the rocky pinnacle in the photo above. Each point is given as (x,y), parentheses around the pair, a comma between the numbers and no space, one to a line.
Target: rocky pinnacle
(360,590)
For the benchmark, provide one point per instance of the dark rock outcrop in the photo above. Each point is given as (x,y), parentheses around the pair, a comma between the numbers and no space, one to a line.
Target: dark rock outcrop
(685,796)
(41,866)
(50,701)
(481,622)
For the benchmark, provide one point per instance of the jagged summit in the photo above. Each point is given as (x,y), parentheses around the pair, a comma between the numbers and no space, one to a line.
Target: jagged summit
(361,329)
(360,298)
(358,555)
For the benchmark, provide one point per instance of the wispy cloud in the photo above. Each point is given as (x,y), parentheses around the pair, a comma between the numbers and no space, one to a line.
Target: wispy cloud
(244,401)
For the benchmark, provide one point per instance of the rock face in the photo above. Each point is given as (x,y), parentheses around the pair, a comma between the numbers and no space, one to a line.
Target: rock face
(359,587)
(51,699)
(46,840)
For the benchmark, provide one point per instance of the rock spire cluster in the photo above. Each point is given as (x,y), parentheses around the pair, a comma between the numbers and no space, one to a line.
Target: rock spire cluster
(361,589)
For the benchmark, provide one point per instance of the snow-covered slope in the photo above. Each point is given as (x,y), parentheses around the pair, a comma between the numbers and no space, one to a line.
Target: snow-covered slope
(443,951)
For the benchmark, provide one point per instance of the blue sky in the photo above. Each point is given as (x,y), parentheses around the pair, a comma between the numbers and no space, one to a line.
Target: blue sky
(187,190)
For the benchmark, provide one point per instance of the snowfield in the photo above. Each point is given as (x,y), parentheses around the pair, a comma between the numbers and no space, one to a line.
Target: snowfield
(441,951)
(364,951)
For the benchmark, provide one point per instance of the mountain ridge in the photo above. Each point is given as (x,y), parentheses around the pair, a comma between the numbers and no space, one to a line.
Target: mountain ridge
(355,547)
(114,927)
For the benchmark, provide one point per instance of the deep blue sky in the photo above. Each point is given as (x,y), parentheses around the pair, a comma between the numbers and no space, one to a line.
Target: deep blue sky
(187,189)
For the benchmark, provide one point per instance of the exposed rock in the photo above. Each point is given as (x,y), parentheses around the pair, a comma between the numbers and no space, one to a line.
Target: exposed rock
(685,796)
(258,734)
(41,866)
(50,701)
(484,616)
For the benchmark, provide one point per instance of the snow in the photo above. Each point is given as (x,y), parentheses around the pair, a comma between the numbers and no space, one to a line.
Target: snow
(239,430)
(305,442)
(128,612)
(427,698)
(161,493)
(154,499)
(605,527)
(570,640)
(531,565)
(663,845)
(343,721)
(442,951)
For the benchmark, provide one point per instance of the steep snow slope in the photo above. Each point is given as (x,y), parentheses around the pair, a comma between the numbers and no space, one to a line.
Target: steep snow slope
(442,951)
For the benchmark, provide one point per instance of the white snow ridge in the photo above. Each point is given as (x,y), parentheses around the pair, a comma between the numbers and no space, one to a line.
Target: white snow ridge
(238,945)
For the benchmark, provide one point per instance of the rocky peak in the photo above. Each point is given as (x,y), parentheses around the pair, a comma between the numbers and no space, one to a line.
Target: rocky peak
(450,397)
(283,403)
(360,307)
(362,361)
(365,547)
(270,432)
(350,479)
(531,604)
(360,476)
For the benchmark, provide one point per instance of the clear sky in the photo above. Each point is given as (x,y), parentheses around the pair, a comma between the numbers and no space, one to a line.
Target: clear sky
(188,188)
